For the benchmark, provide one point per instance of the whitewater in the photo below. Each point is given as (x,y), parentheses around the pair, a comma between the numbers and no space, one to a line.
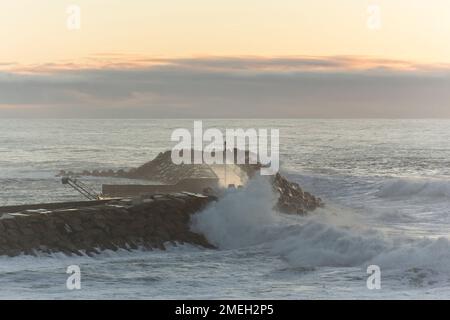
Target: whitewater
(386,185)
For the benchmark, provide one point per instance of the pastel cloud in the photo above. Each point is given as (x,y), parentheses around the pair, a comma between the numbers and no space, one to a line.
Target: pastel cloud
(110,86)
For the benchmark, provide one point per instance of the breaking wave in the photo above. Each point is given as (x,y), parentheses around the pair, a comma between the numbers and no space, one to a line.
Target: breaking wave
(404,187)
(245,218)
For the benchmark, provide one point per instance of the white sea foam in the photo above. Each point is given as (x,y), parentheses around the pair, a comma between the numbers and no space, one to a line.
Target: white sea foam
(240,218)
(245,218)
(407,187)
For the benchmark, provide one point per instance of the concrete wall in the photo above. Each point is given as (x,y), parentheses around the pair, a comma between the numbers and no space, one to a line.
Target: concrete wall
(129,190)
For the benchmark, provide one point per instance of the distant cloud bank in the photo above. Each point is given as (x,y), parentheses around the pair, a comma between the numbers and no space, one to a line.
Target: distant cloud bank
(109,86)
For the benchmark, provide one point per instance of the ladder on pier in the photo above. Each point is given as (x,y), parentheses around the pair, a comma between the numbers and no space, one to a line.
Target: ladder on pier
(82,188)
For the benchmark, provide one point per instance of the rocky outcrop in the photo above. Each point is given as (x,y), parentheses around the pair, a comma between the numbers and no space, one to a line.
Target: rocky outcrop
(149,223)
(292,199)
(160,169)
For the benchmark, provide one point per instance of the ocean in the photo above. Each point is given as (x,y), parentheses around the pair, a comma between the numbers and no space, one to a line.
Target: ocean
(385,183)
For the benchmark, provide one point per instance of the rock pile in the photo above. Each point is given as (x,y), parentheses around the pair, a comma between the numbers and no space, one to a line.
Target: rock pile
(292,199)
(160,169)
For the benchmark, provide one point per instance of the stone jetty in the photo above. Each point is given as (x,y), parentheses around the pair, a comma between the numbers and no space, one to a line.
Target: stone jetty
(145,223)
(147,216)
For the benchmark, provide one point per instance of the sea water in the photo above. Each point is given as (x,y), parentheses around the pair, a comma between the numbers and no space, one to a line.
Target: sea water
(386,185)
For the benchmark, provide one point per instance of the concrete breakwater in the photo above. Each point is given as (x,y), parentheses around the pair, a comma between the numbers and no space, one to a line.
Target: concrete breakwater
(116,224)
(148,222)
(198,177)
(157,214)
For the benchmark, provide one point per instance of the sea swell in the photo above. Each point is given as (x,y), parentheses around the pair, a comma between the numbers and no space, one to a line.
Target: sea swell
(245,218)
(418,187)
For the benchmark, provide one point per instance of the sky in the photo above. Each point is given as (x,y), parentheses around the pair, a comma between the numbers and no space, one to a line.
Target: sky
(212,59)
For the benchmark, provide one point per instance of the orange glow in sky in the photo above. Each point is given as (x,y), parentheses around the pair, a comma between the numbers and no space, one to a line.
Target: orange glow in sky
(36,33)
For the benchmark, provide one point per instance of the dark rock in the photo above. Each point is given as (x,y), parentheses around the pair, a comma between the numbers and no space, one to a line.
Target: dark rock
(292,199)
